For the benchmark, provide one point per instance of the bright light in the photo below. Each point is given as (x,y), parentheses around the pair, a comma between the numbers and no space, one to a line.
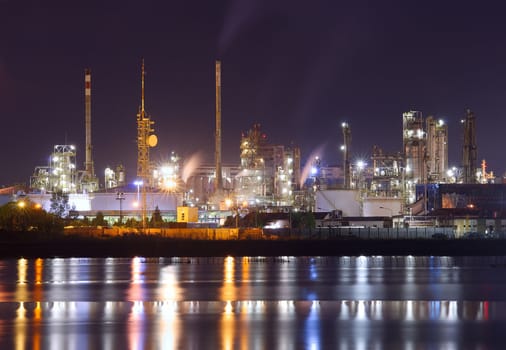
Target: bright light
(21,204)
(167,170)
(361,164)
(313,171)
(170,184)
(228,202)
(343,148)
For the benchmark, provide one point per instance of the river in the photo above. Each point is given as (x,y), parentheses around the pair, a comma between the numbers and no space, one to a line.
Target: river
(377,302)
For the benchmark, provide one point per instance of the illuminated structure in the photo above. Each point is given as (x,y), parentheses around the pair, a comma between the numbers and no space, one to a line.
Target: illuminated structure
(387,174)
(269,173)
(145,140)
(60,175)
(469,149)
(437,150)
(414,147)
(114,178)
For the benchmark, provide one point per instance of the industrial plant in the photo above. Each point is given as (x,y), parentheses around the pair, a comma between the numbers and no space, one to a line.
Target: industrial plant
(413,186)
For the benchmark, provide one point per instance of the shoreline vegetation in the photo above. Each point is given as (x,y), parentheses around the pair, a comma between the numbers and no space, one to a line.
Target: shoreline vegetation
(41,245)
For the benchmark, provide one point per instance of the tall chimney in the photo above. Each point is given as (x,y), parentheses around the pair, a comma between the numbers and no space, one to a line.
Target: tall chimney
(219,180)
(87,113)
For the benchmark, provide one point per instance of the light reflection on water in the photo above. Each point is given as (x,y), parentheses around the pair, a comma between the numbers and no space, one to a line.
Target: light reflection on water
(252,303)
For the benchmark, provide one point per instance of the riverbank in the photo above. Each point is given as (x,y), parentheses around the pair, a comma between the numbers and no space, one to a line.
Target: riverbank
(152,246)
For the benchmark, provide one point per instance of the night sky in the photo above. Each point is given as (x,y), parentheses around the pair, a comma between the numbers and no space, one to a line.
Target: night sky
(299,68)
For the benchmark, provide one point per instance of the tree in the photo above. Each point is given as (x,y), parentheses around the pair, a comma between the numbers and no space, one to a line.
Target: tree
(156,218)
(25,215)
(302,220)
(99,220)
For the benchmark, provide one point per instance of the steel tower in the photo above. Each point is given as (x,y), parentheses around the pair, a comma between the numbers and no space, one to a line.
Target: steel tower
(145,140)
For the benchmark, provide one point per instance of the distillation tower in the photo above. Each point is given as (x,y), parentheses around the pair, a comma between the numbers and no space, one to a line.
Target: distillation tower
(437,150)
(414,148)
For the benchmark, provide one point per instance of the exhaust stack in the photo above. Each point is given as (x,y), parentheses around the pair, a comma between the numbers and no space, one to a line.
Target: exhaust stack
(88,165)
(219,179)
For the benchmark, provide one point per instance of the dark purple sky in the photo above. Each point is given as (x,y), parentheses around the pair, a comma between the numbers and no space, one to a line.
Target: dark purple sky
(299,68)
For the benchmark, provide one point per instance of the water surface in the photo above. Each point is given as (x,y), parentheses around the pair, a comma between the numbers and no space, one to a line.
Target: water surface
(254,303)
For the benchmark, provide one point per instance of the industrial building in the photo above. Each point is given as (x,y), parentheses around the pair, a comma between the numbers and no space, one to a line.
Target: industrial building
(413,181)
(269,173)
(399,183)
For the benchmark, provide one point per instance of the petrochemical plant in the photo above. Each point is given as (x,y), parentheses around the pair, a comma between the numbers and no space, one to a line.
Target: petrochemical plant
(414,182)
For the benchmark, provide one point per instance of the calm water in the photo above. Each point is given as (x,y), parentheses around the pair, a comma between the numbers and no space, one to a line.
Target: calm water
(254,303)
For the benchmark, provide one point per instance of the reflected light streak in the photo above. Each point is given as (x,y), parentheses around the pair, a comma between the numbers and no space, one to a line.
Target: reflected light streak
(168,286)
(38,296)
(168,326)
(227,327)
(227,322)
(169,291)
(22,268)
(135,326)
(245,277)
(361,313)
(21,292)
(135,294)
(228,290)
(312,327)
(20,327)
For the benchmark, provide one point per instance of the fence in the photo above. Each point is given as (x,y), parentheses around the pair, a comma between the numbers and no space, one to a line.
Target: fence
(365,233)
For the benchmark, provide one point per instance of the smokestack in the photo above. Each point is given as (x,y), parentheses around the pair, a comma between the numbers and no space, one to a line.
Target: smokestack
(87,111)
(469,151)
(346,154)
(219,180)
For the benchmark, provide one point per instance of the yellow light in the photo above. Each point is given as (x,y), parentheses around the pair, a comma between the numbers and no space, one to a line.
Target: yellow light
(21,204)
